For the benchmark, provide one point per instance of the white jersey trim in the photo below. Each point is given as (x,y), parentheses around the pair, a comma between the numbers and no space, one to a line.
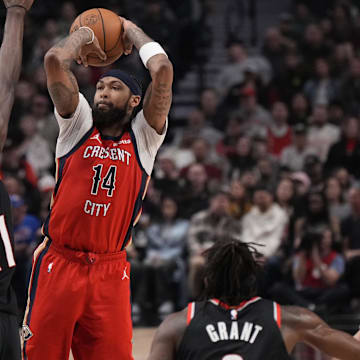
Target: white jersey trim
(72,130)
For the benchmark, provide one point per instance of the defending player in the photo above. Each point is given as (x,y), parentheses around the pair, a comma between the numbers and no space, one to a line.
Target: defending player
(232,323)
(79,290)
(10,68)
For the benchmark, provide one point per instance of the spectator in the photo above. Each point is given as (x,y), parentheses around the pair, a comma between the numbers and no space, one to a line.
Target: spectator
(321,134)
(275,47)
(316,218)
(314,44)
(346,152)
(279,133)
(197,127)
(234,72)
(350,230)
(26,229)
(293,156)
(241,160)
(350,88)
(321,89)
(299,110)
(240,203)
(264,225)
(285,194)
(202,153)
(163,264)
(206,227)
(166,177)
(209,105)
(316,272)
(255,117)
(292,77)
(338,208)
(194,195)
(35,147)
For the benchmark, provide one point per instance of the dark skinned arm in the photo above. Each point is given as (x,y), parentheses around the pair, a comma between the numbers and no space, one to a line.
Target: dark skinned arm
(61,81)
(168,336)
(301,325)
(157,100)
(11,59)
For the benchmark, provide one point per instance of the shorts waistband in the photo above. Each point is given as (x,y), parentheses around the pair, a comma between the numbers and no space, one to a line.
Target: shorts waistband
(89,258)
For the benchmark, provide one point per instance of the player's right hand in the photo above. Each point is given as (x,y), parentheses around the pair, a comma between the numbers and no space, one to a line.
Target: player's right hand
(92,49)
(24,3)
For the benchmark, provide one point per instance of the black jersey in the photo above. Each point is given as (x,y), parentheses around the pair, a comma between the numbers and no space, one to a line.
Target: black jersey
(7,262)
(250,331)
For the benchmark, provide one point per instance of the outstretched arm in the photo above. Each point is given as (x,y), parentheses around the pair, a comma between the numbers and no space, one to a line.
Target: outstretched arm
(301,325)
(11,59)
(158,96)
(61,81)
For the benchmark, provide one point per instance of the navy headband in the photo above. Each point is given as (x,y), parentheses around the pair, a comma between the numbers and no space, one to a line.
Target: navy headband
(127,79)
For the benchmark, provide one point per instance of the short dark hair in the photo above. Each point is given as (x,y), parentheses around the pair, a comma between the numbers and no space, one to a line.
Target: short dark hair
(230,271)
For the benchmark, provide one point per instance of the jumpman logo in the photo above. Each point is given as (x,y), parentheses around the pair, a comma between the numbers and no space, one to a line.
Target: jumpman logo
(96,137)
(125,275)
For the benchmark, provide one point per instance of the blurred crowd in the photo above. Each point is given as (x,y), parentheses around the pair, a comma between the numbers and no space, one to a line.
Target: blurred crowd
(270,154)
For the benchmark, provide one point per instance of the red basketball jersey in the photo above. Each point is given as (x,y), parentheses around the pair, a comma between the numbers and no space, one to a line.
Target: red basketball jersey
(98,196)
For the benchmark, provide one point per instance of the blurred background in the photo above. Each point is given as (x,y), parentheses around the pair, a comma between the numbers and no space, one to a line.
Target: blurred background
(263,142)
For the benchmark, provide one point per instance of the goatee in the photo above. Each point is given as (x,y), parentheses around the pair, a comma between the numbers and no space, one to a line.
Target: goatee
(109,117)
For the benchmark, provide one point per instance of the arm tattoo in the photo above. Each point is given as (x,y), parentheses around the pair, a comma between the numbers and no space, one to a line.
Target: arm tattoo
(138,37)
(73,43)
(162,98)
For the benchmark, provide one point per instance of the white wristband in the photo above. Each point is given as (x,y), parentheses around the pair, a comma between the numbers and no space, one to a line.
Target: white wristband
(91,34)
(149,50)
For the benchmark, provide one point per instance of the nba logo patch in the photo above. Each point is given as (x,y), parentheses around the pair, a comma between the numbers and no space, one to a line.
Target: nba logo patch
(26,333)
(234,314)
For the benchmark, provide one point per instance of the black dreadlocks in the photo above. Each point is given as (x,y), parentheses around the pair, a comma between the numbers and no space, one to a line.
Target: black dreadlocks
(230,272)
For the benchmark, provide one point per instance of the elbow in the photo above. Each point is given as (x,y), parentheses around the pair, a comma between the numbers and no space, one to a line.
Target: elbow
(52,59)
(164,70)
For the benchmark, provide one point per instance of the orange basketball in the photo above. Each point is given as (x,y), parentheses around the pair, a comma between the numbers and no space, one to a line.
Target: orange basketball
(108,29)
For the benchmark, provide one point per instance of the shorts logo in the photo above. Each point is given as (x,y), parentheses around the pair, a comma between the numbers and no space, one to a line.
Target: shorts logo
(26,333)
(50,267)
(125,275)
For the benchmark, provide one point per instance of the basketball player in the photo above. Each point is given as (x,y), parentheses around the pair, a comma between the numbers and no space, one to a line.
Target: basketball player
(10,68)
(79,293)
(232,323)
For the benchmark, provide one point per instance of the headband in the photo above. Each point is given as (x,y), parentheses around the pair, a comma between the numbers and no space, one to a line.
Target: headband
(130,81)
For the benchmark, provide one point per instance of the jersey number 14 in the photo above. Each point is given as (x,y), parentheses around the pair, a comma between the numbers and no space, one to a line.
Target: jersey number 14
(106,183)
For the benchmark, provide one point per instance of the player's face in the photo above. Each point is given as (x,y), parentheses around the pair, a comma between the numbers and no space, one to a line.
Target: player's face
(112,103)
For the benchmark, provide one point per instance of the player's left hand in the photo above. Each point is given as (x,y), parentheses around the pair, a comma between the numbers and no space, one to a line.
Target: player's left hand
(24,3)
(128,44)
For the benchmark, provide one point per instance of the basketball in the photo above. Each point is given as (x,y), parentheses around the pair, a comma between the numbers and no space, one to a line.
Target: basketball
(108,29)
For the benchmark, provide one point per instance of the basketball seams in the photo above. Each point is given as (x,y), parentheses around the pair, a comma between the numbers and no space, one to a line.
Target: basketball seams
(103,27)
(118,40)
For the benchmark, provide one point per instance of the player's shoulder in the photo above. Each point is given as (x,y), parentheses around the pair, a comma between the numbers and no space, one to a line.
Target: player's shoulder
(174,325)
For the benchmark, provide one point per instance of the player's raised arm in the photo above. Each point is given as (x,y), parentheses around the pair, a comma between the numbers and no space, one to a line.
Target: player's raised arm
(158,96)
(301,325)
(61,82)
(11,59)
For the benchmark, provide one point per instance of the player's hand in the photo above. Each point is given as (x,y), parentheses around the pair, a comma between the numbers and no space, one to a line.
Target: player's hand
(24,3)
(128,44)
(93,49)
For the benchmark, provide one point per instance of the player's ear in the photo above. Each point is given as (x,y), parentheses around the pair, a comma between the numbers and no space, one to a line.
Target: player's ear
(135,100)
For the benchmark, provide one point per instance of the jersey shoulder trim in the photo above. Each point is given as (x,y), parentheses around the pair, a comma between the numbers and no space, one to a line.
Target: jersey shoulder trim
(190,312)
(277,314)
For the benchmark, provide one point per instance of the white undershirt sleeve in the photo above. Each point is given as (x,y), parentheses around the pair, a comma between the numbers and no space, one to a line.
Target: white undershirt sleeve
(148,140)
(74,128)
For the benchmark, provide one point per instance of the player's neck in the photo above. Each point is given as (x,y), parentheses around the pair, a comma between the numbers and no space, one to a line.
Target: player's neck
(114,130)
